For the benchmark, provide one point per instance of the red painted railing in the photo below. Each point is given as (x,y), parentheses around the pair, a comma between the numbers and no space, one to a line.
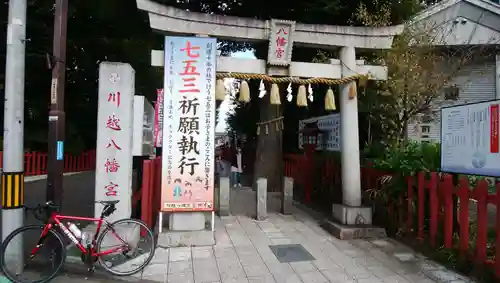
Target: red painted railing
(433,198)
(150,193)
(35,163)
(424,210)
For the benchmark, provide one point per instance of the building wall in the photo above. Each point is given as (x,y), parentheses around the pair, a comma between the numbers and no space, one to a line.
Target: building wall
(476,83)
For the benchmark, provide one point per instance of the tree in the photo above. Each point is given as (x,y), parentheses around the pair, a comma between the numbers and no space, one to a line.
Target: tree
(418,71)
(111,30)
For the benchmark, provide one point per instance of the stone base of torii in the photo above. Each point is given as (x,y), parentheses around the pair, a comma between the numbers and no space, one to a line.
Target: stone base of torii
(350,214)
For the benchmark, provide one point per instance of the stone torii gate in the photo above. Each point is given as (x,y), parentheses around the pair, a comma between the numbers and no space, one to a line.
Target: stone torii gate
(170,21)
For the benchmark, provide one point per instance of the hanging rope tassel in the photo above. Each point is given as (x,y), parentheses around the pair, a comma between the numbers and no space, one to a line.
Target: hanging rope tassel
(301,97)
(220,90)
(244,92)
(275,95)
(330,100)
(363,81)
(352,91)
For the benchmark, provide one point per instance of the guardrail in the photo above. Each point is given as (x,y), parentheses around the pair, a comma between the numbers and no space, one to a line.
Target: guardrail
(35,163)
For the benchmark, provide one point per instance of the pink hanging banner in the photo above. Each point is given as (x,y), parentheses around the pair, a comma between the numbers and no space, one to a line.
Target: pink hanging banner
(158,118)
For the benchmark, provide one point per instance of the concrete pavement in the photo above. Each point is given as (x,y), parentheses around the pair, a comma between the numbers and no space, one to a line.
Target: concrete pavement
(281,249)
(289,249)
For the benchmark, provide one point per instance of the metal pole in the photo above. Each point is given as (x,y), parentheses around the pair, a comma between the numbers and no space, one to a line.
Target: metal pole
(57,117)
(13,151)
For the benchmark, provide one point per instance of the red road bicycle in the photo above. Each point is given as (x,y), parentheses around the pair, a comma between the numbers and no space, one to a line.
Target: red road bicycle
(49,236)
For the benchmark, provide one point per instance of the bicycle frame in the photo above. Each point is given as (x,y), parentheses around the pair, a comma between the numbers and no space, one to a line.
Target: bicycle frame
(56,220)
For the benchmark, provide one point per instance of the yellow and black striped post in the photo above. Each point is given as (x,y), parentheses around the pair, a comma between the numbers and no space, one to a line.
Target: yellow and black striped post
(12,190)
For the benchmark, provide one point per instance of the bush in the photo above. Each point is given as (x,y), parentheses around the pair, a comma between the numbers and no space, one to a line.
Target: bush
(407,160)
(398,163)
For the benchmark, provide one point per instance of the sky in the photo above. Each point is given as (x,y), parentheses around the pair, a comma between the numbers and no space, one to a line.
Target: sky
(227,105)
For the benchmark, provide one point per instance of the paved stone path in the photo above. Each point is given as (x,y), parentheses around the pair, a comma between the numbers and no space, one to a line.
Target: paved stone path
(242,254)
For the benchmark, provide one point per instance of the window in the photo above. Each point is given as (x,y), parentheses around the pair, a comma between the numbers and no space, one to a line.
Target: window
(426,129)
(427,118)
(451,92)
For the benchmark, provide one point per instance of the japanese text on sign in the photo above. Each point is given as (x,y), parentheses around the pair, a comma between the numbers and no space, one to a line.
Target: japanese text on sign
(114,137)
(158,128)
(189,128)
(281,42)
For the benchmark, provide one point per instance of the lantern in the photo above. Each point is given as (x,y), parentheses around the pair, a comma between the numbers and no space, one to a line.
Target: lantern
(311,136)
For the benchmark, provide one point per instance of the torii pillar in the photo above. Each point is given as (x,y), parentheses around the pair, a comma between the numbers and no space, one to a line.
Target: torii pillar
(169,20)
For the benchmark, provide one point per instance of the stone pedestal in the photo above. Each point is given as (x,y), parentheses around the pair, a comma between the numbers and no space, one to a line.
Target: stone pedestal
(223,197)
(352,222)
(261,199)
(186,221)
(287,196)
(186,229)
(350,215)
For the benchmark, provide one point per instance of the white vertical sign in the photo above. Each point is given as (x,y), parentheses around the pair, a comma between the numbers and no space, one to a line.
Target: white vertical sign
(143,144)
(189,124)
(114,137)
(158,131)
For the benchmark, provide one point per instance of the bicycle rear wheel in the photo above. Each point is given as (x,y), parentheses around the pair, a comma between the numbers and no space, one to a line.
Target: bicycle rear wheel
(134,233)
(43,266)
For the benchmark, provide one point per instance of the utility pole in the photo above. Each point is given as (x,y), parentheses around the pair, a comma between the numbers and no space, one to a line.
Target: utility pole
(57,117)
(13,133)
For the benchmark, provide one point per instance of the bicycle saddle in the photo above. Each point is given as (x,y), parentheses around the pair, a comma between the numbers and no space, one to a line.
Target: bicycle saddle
(108,202)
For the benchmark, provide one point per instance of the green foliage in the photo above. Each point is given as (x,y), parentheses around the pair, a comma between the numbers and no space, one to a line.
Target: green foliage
(111,30)
(407,159)
(397,163)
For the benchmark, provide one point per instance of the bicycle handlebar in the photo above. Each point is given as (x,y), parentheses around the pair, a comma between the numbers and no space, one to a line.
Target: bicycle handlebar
(42,212)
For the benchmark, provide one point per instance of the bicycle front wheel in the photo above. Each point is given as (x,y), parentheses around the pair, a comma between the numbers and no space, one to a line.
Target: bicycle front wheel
(18,262)
(137,240)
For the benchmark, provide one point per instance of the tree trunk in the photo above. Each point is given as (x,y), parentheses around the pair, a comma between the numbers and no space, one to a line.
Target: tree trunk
(269,155)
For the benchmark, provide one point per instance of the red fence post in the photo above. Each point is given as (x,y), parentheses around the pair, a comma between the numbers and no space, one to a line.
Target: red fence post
(463,216)
(44,163)
(73,163)
(421,204)
(481,194)
(147,181)
(409,220)
(94,159)
(27,163)
(447,188)
(308,178)
(157,190)
(433,201)
(66,162)
(497,242)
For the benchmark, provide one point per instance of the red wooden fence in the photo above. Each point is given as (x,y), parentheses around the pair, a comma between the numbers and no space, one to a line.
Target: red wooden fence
(427,206)
(150,193)
(439,191)
(35,163)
